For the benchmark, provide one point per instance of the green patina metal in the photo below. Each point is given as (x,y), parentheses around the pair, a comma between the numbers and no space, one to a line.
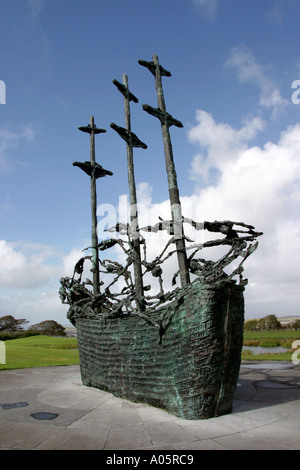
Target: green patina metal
(180,348)
(176,358)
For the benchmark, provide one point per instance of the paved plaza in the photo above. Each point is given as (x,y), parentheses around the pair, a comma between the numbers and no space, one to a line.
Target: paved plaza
(48,408)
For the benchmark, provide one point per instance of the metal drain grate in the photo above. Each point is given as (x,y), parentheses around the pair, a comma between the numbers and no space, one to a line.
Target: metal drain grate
(9,406)
(44,416)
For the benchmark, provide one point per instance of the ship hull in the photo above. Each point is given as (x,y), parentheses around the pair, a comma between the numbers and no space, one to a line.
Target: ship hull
(184,357)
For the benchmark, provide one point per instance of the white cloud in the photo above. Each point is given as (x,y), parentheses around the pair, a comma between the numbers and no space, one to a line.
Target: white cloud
(208,8)
(220,143)
(34,266)
(264,179)
(69,261)
(25,265)
(35,307)
(29,280)
(249,70)
(144,193)
(259,186)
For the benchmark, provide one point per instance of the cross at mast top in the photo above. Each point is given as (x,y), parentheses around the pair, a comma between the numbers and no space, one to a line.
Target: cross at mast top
(95,171)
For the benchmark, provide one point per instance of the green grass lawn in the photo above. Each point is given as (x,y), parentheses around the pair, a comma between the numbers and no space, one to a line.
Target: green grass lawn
(278,334)
(40,351)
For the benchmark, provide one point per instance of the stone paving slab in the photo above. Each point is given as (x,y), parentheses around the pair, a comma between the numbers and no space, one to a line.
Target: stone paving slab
(265,415)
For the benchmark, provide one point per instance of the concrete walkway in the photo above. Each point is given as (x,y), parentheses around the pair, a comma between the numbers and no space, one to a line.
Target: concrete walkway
(48,408)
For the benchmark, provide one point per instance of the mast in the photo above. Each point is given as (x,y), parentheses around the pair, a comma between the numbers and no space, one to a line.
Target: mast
(132,141)
(167,121)
(95,171)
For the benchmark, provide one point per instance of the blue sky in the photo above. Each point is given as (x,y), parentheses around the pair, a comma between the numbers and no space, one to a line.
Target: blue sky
(232,63)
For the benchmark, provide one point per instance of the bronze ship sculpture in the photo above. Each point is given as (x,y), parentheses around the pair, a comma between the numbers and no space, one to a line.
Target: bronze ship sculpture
(180,349)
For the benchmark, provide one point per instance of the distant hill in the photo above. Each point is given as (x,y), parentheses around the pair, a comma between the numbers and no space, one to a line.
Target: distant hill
(71,331)
(282,318)
(288,318)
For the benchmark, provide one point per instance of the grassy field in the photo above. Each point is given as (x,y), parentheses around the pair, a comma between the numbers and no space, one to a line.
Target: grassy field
(278,334)
(270,339)
(250,356)
(40,351)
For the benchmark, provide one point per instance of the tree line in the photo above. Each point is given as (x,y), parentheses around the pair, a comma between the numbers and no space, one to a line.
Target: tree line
(270,323)
(11,328)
